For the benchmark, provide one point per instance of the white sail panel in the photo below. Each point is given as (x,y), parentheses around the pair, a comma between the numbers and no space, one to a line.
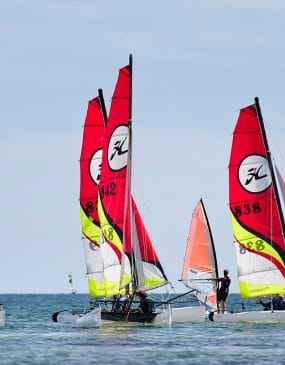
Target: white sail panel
(257,275)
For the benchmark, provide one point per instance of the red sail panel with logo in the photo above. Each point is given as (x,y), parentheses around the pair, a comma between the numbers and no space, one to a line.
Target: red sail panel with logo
(90,166)
(255,216)
(114,182)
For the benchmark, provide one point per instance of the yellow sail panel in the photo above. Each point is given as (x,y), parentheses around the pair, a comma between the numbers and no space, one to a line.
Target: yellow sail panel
(89,228)
(105,289)
(96,288)
(253,290)
(253,242)
(150,283)
(108,231)
(125,280)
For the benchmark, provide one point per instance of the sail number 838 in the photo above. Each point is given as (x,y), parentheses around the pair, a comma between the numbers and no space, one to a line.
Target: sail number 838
(247,209)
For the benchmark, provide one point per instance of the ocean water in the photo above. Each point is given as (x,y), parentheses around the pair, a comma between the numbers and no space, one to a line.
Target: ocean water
(30,337)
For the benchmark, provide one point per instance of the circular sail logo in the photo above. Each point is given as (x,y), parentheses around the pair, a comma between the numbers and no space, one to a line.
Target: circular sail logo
(95,166)
(118,148)
(254,174)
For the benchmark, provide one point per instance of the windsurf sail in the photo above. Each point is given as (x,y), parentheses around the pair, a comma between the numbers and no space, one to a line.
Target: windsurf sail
(200,263)
(257,218)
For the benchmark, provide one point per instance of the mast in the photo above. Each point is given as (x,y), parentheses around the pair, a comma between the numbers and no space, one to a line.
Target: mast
(269,158)
(131,216)
(102,105)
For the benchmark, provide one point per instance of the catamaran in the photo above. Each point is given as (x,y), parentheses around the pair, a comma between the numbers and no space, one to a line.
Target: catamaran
(116,264)
(200,262)
(2,315)
(120,256)
(257,217)
(71,286)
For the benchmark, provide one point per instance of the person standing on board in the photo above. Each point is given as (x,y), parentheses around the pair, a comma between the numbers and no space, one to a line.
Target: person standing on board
(223,291)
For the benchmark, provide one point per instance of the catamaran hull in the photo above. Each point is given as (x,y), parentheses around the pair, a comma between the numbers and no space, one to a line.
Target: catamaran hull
(188,314)
(2,316)
(254,316)
(162,319)
(128,317)
(87,320)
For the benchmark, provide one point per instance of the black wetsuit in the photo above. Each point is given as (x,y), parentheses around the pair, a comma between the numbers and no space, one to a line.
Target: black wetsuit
(146,305)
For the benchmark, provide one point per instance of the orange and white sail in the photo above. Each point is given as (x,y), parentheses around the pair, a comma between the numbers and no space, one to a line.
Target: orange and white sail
(200,264)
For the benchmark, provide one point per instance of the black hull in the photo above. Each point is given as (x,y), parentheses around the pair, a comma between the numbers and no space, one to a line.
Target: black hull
(128,317)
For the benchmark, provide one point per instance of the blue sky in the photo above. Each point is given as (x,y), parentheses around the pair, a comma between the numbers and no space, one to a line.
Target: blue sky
(196,63)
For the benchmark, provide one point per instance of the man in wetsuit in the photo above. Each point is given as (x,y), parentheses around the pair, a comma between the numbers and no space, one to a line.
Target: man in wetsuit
(223,291)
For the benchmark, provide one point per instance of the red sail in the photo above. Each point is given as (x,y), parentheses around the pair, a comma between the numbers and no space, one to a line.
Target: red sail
(139,246)
(114,183)
(147,250)
(90,165)
(255,215)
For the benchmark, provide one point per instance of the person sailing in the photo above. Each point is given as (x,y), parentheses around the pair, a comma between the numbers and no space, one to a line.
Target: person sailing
(277,303)
(146,304)
(223,291)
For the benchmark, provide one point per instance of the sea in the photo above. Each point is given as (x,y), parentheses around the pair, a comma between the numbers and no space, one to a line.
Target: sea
(29,336)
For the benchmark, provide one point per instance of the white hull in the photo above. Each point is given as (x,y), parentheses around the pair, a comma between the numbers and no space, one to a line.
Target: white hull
(87,320)
(91,319)
(254,316)
(164,319)
(2,316)
(188,314)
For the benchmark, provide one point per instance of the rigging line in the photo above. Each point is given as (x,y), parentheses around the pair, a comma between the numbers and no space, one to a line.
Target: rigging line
(259,272)
(205,279)
(141,195)
(178,296)
(276,144)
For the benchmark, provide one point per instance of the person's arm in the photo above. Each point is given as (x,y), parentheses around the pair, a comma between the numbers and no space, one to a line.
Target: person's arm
(217,279)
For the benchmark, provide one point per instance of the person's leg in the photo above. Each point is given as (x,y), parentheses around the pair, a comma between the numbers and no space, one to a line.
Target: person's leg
(223,306)
(218,306)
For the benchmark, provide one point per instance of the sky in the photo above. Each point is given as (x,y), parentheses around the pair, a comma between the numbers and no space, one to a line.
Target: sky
(195,64)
